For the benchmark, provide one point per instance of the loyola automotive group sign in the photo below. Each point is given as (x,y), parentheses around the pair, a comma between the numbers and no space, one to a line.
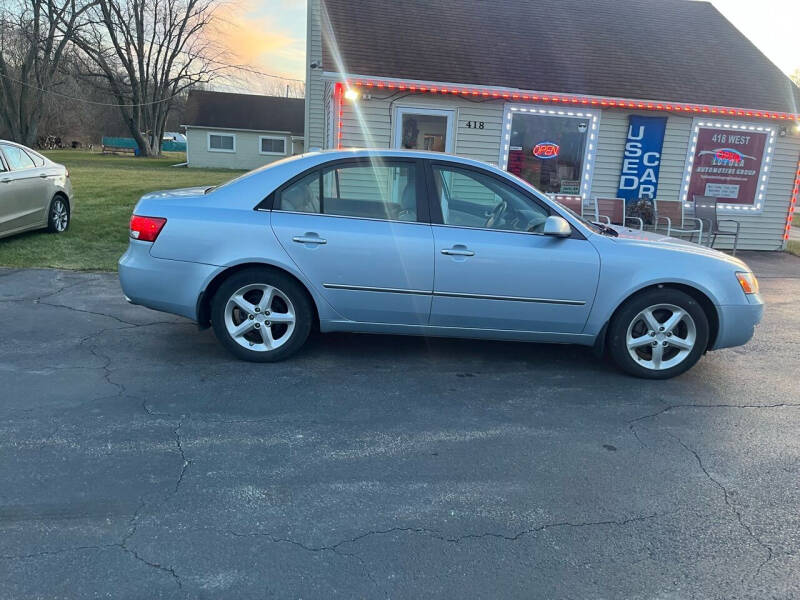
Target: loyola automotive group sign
(727,165)
(642,159)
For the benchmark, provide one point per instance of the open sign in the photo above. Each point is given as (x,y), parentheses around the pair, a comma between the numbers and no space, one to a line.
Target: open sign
(546,150)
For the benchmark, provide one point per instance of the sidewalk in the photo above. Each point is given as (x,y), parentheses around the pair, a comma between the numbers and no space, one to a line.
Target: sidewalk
(772,264)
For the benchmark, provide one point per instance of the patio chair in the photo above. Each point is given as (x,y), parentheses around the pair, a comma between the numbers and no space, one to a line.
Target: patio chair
(705,209)
(611,211)
(574,203)
(669,214)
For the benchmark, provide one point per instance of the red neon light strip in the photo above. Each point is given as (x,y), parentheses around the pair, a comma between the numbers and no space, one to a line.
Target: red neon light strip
(792,203)
(584,100)
(338,93)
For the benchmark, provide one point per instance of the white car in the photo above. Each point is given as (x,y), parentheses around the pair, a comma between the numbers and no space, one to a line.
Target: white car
(35,192)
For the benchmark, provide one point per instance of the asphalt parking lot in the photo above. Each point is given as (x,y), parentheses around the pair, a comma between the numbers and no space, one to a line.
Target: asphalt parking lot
(138,460)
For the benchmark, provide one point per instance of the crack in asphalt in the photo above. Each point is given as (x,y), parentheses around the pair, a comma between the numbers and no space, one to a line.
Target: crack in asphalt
(676,406)
(730,505)
(186,461)
(633,422)
(88,312)
(436,534)
(737,513)
(38,299)
(124,543)
(56,552)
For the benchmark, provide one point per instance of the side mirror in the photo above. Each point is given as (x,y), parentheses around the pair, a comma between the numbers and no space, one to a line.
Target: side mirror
(557,227)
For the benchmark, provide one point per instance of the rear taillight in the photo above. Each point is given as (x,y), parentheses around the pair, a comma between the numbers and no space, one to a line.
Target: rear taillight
(146,229)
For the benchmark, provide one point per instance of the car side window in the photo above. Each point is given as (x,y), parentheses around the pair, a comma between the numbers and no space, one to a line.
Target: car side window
(379,190)
(37,159)
(472,199)
(17,158)
(301,196)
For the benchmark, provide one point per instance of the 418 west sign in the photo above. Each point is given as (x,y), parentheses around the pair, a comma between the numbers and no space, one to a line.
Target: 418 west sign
(727,165)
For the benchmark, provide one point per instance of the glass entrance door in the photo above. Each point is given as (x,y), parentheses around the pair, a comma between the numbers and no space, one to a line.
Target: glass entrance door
(424,129)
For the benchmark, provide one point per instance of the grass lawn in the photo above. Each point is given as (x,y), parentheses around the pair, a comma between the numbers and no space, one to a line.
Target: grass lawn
(793,246)
(106,189)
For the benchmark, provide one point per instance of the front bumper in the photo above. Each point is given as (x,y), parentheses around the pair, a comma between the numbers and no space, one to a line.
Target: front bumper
(171,286)
(737,322)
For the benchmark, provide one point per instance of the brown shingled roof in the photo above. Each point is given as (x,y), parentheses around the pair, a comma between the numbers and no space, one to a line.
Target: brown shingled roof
(245,111)
(672,50)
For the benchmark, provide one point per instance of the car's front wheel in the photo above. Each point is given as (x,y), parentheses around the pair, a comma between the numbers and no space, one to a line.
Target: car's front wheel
(58,215)
(658,334)
(261,315)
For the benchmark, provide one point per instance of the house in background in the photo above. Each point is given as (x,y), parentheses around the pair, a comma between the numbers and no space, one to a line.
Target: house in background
(241,131)
(593,98)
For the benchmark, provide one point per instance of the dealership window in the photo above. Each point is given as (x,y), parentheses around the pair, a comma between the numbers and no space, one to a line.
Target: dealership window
(221,142)
(272,145)
(552,150)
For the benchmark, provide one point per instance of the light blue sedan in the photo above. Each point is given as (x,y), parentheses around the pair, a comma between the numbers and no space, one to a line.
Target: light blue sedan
(418,243)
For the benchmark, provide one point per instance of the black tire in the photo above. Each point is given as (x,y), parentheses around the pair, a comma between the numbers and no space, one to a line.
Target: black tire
(626,316)
(58,215)
(288,287)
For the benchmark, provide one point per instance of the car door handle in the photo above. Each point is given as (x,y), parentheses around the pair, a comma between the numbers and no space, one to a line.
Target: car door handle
(309,239)
(43,175)
(458,251)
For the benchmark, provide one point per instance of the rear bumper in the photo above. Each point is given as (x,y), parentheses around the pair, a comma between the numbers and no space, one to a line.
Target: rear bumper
(171,286)
(737,323)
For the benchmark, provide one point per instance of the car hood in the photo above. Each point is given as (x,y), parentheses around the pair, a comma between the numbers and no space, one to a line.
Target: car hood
(634,237)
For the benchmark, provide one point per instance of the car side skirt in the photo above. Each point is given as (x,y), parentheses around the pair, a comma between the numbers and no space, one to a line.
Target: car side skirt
(459,332)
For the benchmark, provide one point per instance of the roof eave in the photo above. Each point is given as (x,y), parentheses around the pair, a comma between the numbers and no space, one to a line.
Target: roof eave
(556,98)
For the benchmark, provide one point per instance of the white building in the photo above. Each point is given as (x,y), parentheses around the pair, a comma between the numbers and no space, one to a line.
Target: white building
(241,131)
(602,98)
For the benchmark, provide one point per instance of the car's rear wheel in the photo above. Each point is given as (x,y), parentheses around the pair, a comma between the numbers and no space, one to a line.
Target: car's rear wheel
(261,315)
(658,334)
(58,215)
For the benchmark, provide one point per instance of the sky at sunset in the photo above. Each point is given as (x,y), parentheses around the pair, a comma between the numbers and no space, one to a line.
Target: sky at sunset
(269,35)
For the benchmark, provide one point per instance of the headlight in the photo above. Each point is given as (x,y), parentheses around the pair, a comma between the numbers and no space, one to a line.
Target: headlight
(748,282)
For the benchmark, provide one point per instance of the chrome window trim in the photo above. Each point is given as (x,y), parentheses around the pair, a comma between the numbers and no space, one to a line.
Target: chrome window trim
(487,229)
(363,288)
(314,214)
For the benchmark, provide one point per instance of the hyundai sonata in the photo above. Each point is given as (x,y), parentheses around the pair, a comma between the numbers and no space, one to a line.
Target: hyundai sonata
(426,244)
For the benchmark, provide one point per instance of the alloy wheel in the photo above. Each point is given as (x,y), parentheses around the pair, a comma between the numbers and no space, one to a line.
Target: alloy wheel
(661,337)
(260,317)
(60,216)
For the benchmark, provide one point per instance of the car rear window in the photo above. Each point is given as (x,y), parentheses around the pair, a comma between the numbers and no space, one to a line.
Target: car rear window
(17,158)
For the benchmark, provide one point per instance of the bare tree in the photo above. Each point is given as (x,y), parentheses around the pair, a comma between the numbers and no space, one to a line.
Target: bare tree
(289,88)
(147,52)
(34,38)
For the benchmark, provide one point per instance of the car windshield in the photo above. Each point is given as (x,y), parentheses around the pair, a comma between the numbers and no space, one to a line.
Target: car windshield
(596,227)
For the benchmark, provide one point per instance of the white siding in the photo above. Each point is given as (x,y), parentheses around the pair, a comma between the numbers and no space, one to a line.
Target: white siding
(315,85)
(369,123)
(245,158)
(377,116)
